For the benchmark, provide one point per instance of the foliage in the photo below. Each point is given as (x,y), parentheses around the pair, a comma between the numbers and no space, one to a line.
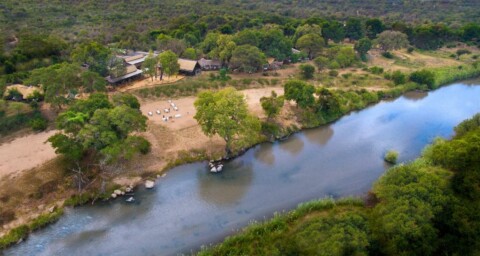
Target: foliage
(425,77)
(225,113)
(392,40)
(333,30)
(354,29)
(467,125)
(38,123)
(376,70)
(97,127)
(374,27)
(362,46)
(307,71)
(300,92)
(398,77)
(247,58)
(169,63)
(94,54)
(391,156)
(321,62)
(272,105)
(312,44)
(149,65)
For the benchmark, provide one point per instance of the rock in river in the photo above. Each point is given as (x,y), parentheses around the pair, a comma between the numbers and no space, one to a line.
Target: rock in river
(149,184)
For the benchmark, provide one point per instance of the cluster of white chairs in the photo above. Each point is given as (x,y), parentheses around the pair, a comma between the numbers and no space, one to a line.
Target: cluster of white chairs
(166,111)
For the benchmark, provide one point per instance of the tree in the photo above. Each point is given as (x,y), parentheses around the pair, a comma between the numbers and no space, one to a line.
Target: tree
(93,54)
(165,43)
(345,57)
(247,36)
(96,127)
(224,49)
(300,92)
(307,71)
(92,82)
(392,40)
(307,29)
(247,58)
(116,67)
(425,77)
(311,43)
(274,44)
(374,27)
(149,65)
(225,113)
(362,46)
(321,62)
(354,29)
(60,82)
(169,63)
(471,32)
(272,105)
(190,53)
(431,36)
(334,31)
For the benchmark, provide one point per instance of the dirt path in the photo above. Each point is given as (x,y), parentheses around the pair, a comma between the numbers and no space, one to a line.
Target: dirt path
(25,153)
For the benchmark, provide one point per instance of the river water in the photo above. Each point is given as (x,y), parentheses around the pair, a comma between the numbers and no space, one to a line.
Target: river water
(191,207)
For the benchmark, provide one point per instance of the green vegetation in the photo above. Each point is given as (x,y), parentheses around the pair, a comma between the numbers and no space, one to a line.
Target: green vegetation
(427,207)
(307,71)
(225,113)
(272,105)
(391,157)
(22,231)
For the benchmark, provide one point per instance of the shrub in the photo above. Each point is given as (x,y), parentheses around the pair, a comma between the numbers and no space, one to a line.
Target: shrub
(38,123)
(391,157)
(388,55)
(410,49)
(13,94)
(398,77)
(307,70)
(334,65)
(376,70)
(333,73)
(346,75)
(423,77)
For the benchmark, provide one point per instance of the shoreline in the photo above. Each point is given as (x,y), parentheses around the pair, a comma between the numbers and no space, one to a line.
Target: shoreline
(21,232)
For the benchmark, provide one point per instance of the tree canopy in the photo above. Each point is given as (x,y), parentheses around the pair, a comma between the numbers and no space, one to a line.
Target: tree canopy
(225,113)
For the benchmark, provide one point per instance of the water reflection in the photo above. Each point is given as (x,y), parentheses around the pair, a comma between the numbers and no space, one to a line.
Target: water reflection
(415,95)
(293,145)
(320,136)
(227,187)
(264,154)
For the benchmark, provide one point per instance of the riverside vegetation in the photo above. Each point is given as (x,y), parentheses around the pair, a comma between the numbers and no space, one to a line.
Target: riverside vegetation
(335,82)
(426,207)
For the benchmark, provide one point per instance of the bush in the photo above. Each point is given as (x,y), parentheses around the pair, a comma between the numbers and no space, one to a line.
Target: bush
(334,65)
(38,123)
(410,49)
(423,77)
(307,70)
(333,73)
(376,70)
(391,157)
(398,77)
(388,55)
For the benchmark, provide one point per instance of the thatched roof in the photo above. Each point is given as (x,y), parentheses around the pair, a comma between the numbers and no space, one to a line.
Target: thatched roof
(204,62)
(187,65)
(133,58)
(130,71)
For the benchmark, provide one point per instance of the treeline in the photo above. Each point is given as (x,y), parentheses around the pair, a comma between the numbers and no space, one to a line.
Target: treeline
(427,207)
(238,41)
(107,19)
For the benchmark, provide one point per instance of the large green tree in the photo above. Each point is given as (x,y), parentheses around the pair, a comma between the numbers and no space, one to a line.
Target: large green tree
(100,129)
(300,92)
(362,46)
(149,66)
(272,105)
(169,63)
(247,58)
(93,54)
(312,44)
(225,113)
(392,40)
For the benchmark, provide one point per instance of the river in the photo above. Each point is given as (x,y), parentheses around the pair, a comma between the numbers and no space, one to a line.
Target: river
(191,207)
